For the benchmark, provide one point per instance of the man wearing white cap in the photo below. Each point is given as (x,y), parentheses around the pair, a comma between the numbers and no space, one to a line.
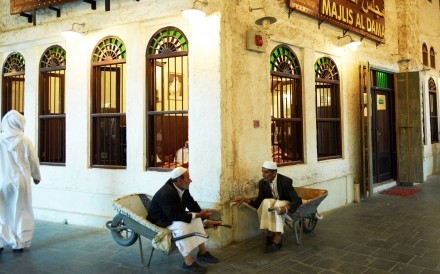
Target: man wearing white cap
(168,209)
(274,191)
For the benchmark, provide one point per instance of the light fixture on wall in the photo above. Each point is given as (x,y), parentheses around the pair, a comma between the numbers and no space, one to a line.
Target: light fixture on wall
(195,13)
(72,33)
(353,45)
(265,21)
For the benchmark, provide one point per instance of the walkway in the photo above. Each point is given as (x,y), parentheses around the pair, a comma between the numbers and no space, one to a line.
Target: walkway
(384,234)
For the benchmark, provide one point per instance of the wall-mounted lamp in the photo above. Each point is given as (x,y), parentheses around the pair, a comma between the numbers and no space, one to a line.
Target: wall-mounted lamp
(265,21)
(353,45)
(72,33)
(195,13)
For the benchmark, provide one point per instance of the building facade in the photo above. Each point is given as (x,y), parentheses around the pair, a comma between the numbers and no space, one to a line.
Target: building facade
(113,111)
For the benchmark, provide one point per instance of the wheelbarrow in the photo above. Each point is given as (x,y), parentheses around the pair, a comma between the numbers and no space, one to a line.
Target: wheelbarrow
(306,216)
(130,223)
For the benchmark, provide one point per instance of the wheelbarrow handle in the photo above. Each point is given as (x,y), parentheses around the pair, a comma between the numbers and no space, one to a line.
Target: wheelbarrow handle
(189,235)
(225,225)
(112,227)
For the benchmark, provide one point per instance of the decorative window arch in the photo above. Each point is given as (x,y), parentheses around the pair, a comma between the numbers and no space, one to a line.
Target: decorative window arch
(167,99)
(328,110)
(108,104)
(52,117)
(287,122)
(425,55)
(433,114)
(13,83)
(432,57)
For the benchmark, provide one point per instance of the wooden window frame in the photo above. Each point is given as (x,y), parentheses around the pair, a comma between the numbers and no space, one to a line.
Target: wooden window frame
(167,112)
(433,111)
(13,83)
(52,122)
(108,125)
(328,116)
(425,60)
(287,113)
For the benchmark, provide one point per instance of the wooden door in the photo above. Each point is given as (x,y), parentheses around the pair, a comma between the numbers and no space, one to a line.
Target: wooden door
(383,135)
(409,128)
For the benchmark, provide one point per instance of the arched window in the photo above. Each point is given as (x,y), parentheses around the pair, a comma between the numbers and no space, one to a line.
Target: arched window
(328,110)
(52,117)
(286,90)
(13,83)
(425,54)
(432,57)
(108,104)
(433,110)
(167,99)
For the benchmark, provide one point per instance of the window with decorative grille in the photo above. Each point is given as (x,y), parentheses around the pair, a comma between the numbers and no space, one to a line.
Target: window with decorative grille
(433,110)
(108,104)
(425,55)
(52,118)
(167,99)
(328,112)
(432,57)
(287,125)
(13,83)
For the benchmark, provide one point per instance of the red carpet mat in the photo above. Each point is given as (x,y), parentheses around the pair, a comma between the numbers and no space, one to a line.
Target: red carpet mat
(401,191)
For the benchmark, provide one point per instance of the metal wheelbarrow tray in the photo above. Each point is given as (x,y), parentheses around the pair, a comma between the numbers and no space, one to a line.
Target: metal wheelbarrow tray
(130,222)
(305,217)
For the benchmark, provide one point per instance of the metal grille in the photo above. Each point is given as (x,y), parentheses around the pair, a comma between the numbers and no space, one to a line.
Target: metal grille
(167,99)
(52,117)
(328,117)
(13,84)
(286,128)
(108,109)
(433,110)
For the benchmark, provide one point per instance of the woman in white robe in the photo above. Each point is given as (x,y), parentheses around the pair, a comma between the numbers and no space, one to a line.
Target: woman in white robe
(18,163)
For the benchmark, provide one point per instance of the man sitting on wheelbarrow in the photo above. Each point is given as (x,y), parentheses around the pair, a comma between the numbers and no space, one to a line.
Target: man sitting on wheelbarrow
(168,209)
(275,191)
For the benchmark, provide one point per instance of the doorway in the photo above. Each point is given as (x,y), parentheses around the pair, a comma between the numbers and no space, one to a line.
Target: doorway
(383,131)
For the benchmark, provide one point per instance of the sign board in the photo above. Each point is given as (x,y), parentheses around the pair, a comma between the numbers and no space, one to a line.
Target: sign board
(364,17)
(18,6)
(381,102)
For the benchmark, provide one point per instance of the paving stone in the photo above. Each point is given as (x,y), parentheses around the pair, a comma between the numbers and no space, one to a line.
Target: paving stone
(366,237)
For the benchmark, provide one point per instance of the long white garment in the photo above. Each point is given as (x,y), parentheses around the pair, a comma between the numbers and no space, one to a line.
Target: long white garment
(271,220)
(18,163)
(187,245)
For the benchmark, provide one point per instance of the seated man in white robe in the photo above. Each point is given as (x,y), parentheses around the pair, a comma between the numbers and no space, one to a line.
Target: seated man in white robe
(274,191)
(168,209)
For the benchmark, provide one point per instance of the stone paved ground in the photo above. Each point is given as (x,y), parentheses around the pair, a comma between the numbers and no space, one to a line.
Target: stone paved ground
(383,234)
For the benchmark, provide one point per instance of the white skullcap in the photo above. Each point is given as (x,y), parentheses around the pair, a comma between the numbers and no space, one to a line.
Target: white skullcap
(270,165)
(177,172)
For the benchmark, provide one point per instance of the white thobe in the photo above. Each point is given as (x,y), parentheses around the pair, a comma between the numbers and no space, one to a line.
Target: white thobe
(272,221)
(18,163)
(187,245)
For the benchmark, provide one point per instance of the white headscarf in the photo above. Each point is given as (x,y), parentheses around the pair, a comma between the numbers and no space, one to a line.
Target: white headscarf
(13,127)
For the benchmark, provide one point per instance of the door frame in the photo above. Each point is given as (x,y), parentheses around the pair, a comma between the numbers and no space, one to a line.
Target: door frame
(366,109)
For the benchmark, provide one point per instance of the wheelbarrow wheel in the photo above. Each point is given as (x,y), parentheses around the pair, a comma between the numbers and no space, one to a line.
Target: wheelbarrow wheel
(123,236)
(309,223)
